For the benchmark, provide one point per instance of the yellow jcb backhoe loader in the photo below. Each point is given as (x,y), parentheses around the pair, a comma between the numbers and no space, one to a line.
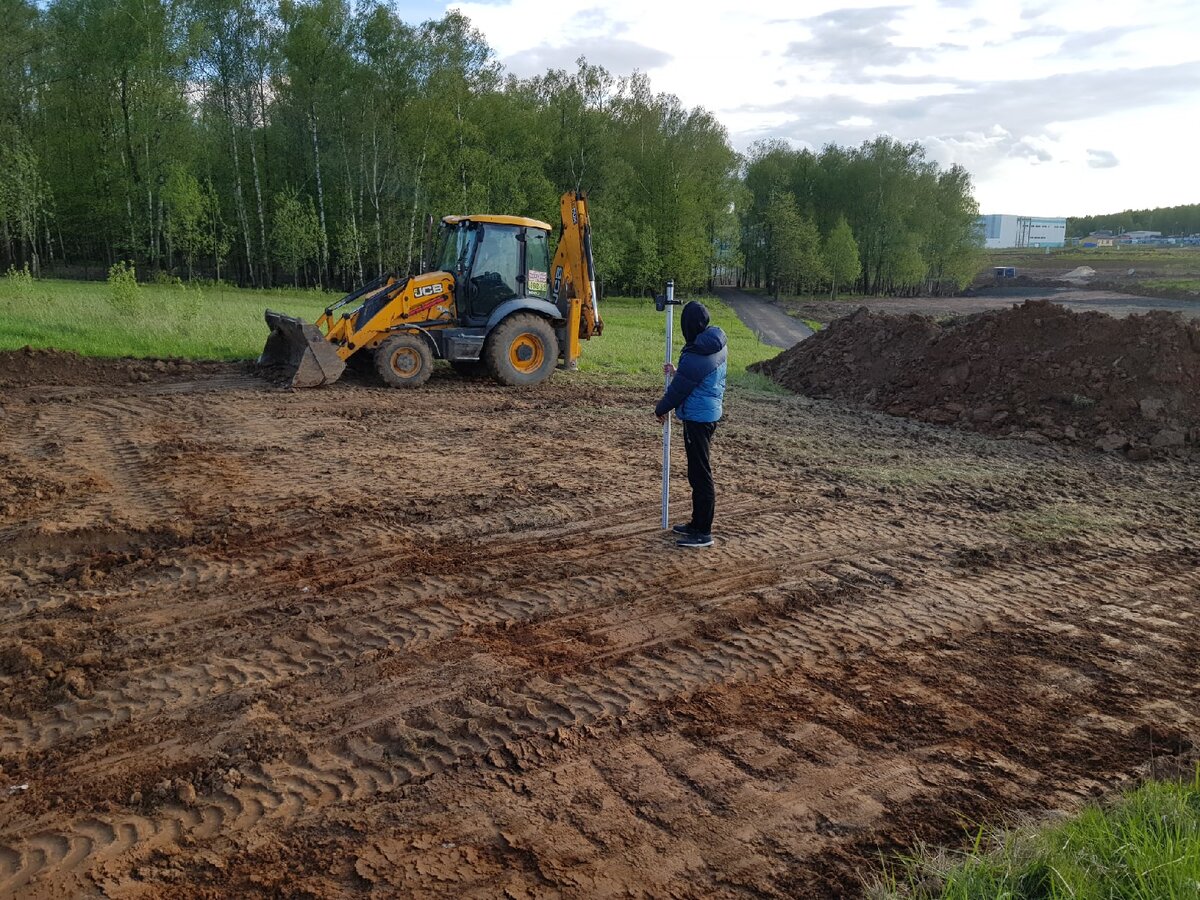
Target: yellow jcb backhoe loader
(495,299)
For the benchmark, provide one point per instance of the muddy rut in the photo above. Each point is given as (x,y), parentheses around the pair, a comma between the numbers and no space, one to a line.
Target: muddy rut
(258,642)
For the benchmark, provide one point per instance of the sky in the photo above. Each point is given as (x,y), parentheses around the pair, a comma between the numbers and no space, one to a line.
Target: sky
(1061,108)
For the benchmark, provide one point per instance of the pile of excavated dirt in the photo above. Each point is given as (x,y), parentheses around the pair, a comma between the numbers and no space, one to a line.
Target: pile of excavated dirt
(1037,371)
(29,367)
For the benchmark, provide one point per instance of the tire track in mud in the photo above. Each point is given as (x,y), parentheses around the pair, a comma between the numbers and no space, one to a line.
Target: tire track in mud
(437,614)
(544,625)
(272,554)
(417,740)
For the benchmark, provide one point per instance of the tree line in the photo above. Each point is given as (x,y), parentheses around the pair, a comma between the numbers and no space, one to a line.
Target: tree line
(305,142)
(880,217)
(1170,220)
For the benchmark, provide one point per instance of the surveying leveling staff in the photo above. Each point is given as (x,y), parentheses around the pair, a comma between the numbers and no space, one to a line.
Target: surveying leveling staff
(695,394)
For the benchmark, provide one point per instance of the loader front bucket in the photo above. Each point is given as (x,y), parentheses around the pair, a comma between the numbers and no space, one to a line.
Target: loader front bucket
(300,350)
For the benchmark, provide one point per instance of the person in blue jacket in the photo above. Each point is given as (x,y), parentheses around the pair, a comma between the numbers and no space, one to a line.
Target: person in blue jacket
(696,394)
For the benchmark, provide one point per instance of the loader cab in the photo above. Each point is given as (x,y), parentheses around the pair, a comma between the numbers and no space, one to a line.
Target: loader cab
(494,259)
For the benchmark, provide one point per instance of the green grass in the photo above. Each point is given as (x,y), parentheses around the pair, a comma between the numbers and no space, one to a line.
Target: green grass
(1174,284)
(1143,846)
(631,348)
(192,323)
(227,323)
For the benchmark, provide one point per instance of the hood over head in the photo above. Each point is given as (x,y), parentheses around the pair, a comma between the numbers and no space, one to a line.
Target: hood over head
(694,320)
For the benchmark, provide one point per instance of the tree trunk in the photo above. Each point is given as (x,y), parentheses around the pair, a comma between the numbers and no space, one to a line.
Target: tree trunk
(239,195)
(357,268)
(376,189)
(312,121)
(264,263)
(412,222)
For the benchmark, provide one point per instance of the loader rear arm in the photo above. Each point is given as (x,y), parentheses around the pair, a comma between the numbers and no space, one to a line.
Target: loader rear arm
(574,282)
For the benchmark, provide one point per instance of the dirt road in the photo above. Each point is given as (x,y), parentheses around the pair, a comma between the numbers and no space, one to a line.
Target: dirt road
(769,322)
(433,643)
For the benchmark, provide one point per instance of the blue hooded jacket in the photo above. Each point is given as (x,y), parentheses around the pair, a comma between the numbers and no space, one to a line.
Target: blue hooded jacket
(698,387)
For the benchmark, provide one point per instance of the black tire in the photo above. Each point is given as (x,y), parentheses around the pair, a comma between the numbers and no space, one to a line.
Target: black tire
(521,350)
(404,360)
(471,368)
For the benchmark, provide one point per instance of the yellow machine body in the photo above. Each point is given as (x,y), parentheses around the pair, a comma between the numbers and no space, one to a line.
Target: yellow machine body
(539,310)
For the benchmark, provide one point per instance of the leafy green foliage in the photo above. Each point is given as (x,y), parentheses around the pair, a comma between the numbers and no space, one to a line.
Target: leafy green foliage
(296,234)
(1145,846)
(784,254)
(841,256)
(1167,219)
(914,223)
(308,141)
(19,283)
(24,195)
(123,290)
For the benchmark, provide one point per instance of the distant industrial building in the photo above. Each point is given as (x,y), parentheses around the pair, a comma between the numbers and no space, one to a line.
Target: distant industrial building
(1108,239)
(1001,231)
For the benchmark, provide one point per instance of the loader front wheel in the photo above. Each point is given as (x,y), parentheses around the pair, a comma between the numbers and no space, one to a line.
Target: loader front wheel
(522,350)
(404,360)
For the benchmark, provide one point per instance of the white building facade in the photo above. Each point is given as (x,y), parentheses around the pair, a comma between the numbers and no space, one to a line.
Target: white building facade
(1003,231)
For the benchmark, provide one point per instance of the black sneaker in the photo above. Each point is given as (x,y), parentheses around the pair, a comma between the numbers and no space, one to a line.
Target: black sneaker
(695,540)
(684,529)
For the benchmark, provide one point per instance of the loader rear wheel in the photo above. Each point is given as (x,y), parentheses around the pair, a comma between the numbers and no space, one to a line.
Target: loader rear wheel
(404,360)
(522,350)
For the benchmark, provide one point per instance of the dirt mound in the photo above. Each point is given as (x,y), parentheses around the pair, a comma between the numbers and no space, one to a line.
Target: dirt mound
(1036,370)
(29,367)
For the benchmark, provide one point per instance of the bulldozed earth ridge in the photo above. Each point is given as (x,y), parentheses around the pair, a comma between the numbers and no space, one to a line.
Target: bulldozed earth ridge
(1037,371)
(261,643)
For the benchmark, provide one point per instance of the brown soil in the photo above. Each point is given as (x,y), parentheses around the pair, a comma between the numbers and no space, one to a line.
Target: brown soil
(31,367)
(1037,370)
(433,643)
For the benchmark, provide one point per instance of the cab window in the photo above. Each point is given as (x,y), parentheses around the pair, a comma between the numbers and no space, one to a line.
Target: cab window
(496,267)
(453,246)
(537,256)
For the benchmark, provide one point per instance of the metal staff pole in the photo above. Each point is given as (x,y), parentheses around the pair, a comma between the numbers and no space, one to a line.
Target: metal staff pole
(665,302)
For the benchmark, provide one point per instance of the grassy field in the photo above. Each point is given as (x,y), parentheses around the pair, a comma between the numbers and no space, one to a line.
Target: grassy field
(1181,285)
(1144,846)
(632,343)
(1164,261)
(227,323)
(163,320)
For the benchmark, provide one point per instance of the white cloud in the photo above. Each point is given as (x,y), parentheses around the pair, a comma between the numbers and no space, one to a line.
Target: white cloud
(1020,93)
(1102,159)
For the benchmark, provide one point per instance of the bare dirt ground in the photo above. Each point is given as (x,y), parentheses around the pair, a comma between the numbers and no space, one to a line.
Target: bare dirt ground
(321,643)
(990,298)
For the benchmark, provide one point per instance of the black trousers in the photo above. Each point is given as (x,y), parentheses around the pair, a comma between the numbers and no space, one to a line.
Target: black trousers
(697,439)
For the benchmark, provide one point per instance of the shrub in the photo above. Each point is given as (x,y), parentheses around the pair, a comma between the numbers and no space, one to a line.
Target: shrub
(123,288)
(21,282)
(167,279)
